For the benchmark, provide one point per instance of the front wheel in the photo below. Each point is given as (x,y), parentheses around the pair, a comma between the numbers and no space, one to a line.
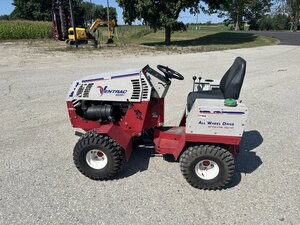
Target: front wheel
(207,166)
(98,156)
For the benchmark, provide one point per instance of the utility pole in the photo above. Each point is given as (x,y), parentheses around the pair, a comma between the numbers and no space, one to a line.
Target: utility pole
(197,26)
(108,16)
(107,10)
(197,14)
(73,22)
(92,13)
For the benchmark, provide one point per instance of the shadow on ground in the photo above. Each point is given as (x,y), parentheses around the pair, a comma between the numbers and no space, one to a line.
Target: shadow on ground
(247,161)
(138,162)
(221,38)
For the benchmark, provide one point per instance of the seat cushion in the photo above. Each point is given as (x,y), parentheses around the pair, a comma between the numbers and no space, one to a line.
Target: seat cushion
(213,94)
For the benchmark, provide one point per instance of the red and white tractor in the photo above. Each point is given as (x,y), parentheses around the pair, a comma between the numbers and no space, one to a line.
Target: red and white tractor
(116,108)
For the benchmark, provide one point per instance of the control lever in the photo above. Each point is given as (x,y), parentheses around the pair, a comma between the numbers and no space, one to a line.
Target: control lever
(194,79)
(199,84)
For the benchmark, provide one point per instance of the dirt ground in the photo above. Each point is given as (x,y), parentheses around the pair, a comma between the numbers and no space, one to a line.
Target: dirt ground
(39,183)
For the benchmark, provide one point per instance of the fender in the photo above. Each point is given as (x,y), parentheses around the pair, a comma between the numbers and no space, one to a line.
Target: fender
(119,135)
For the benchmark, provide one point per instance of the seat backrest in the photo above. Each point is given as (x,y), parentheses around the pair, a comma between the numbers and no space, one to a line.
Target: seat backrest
(232,81)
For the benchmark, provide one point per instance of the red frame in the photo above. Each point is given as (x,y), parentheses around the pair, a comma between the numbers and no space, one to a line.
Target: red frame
(143,116)
(173,143)
(139,117)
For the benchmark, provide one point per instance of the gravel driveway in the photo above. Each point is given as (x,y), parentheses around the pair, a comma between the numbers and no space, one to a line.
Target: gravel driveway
(39,183)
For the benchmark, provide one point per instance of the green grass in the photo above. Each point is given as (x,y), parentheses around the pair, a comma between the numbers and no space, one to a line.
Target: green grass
(208,38)
(198,40)
(22,29)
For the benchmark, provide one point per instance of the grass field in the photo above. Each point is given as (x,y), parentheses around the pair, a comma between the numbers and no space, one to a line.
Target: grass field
(207,38)
(198,40)
(22,29)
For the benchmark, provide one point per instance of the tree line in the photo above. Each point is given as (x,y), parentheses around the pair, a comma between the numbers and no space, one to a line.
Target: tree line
(259,15)
(41,10)
(162,14)
(256,13)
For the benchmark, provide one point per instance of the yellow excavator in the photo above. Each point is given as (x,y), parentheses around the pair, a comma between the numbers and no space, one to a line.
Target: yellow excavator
(83,36)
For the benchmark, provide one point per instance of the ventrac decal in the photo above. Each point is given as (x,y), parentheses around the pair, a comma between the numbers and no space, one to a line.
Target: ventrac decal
(106,90)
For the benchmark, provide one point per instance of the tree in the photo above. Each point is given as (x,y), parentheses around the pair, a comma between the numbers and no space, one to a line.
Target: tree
(280,21)
(239,10)
(266,23)
(42,9)
(257,10)
(32,9)
(158,13)
(92,11)
(294,11)
(5,17)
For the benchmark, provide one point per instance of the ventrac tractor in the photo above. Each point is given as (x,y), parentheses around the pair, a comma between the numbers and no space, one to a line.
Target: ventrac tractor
(118,108)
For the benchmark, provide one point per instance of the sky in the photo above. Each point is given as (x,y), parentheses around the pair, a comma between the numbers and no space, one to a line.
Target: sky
(6,7)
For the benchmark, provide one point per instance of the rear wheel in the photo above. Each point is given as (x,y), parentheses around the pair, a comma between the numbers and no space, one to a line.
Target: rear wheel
(207,166)
(98,156)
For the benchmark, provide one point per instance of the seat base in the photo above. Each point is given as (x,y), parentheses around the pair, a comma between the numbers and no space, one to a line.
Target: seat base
(213,94)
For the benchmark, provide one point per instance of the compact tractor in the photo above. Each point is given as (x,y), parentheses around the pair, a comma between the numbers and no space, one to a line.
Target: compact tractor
(115,109)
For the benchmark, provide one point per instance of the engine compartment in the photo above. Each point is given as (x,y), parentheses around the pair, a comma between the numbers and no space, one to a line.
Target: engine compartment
(101,111)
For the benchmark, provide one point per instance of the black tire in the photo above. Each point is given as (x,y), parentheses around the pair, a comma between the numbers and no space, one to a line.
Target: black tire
(194,157)
(112,151)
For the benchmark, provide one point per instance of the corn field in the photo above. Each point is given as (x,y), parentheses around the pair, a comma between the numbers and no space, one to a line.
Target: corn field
(22,29)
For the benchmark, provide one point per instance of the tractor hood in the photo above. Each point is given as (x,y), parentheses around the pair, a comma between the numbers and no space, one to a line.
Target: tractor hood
(118,86)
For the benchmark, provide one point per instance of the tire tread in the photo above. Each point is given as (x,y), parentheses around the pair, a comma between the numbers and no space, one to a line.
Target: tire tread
(193,152)
(101,141)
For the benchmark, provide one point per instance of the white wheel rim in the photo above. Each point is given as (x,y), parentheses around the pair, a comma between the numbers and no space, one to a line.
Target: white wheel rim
(207,169)
(96,159)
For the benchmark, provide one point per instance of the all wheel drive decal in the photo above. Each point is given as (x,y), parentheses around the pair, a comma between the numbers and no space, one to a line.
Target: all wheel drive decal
(215,124)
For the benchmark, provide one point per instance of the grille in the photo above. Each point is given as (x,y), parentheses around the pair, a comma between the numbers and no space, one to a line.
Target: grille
(87,90)
(80,90)
(84,90)
(136,89)
(145,89)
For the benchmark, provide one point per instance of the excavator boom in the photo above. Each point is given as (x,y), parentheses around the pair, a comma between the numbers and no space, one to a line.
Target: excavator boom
(98,22)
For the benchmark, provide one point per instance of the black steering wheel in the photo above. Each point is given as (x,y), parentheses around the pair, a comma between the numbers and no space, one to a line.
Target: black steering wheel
(170,73)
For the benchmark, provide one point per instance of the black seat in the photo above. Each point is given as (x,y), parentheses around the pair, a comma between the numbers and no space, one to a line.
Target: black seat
(230,85)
